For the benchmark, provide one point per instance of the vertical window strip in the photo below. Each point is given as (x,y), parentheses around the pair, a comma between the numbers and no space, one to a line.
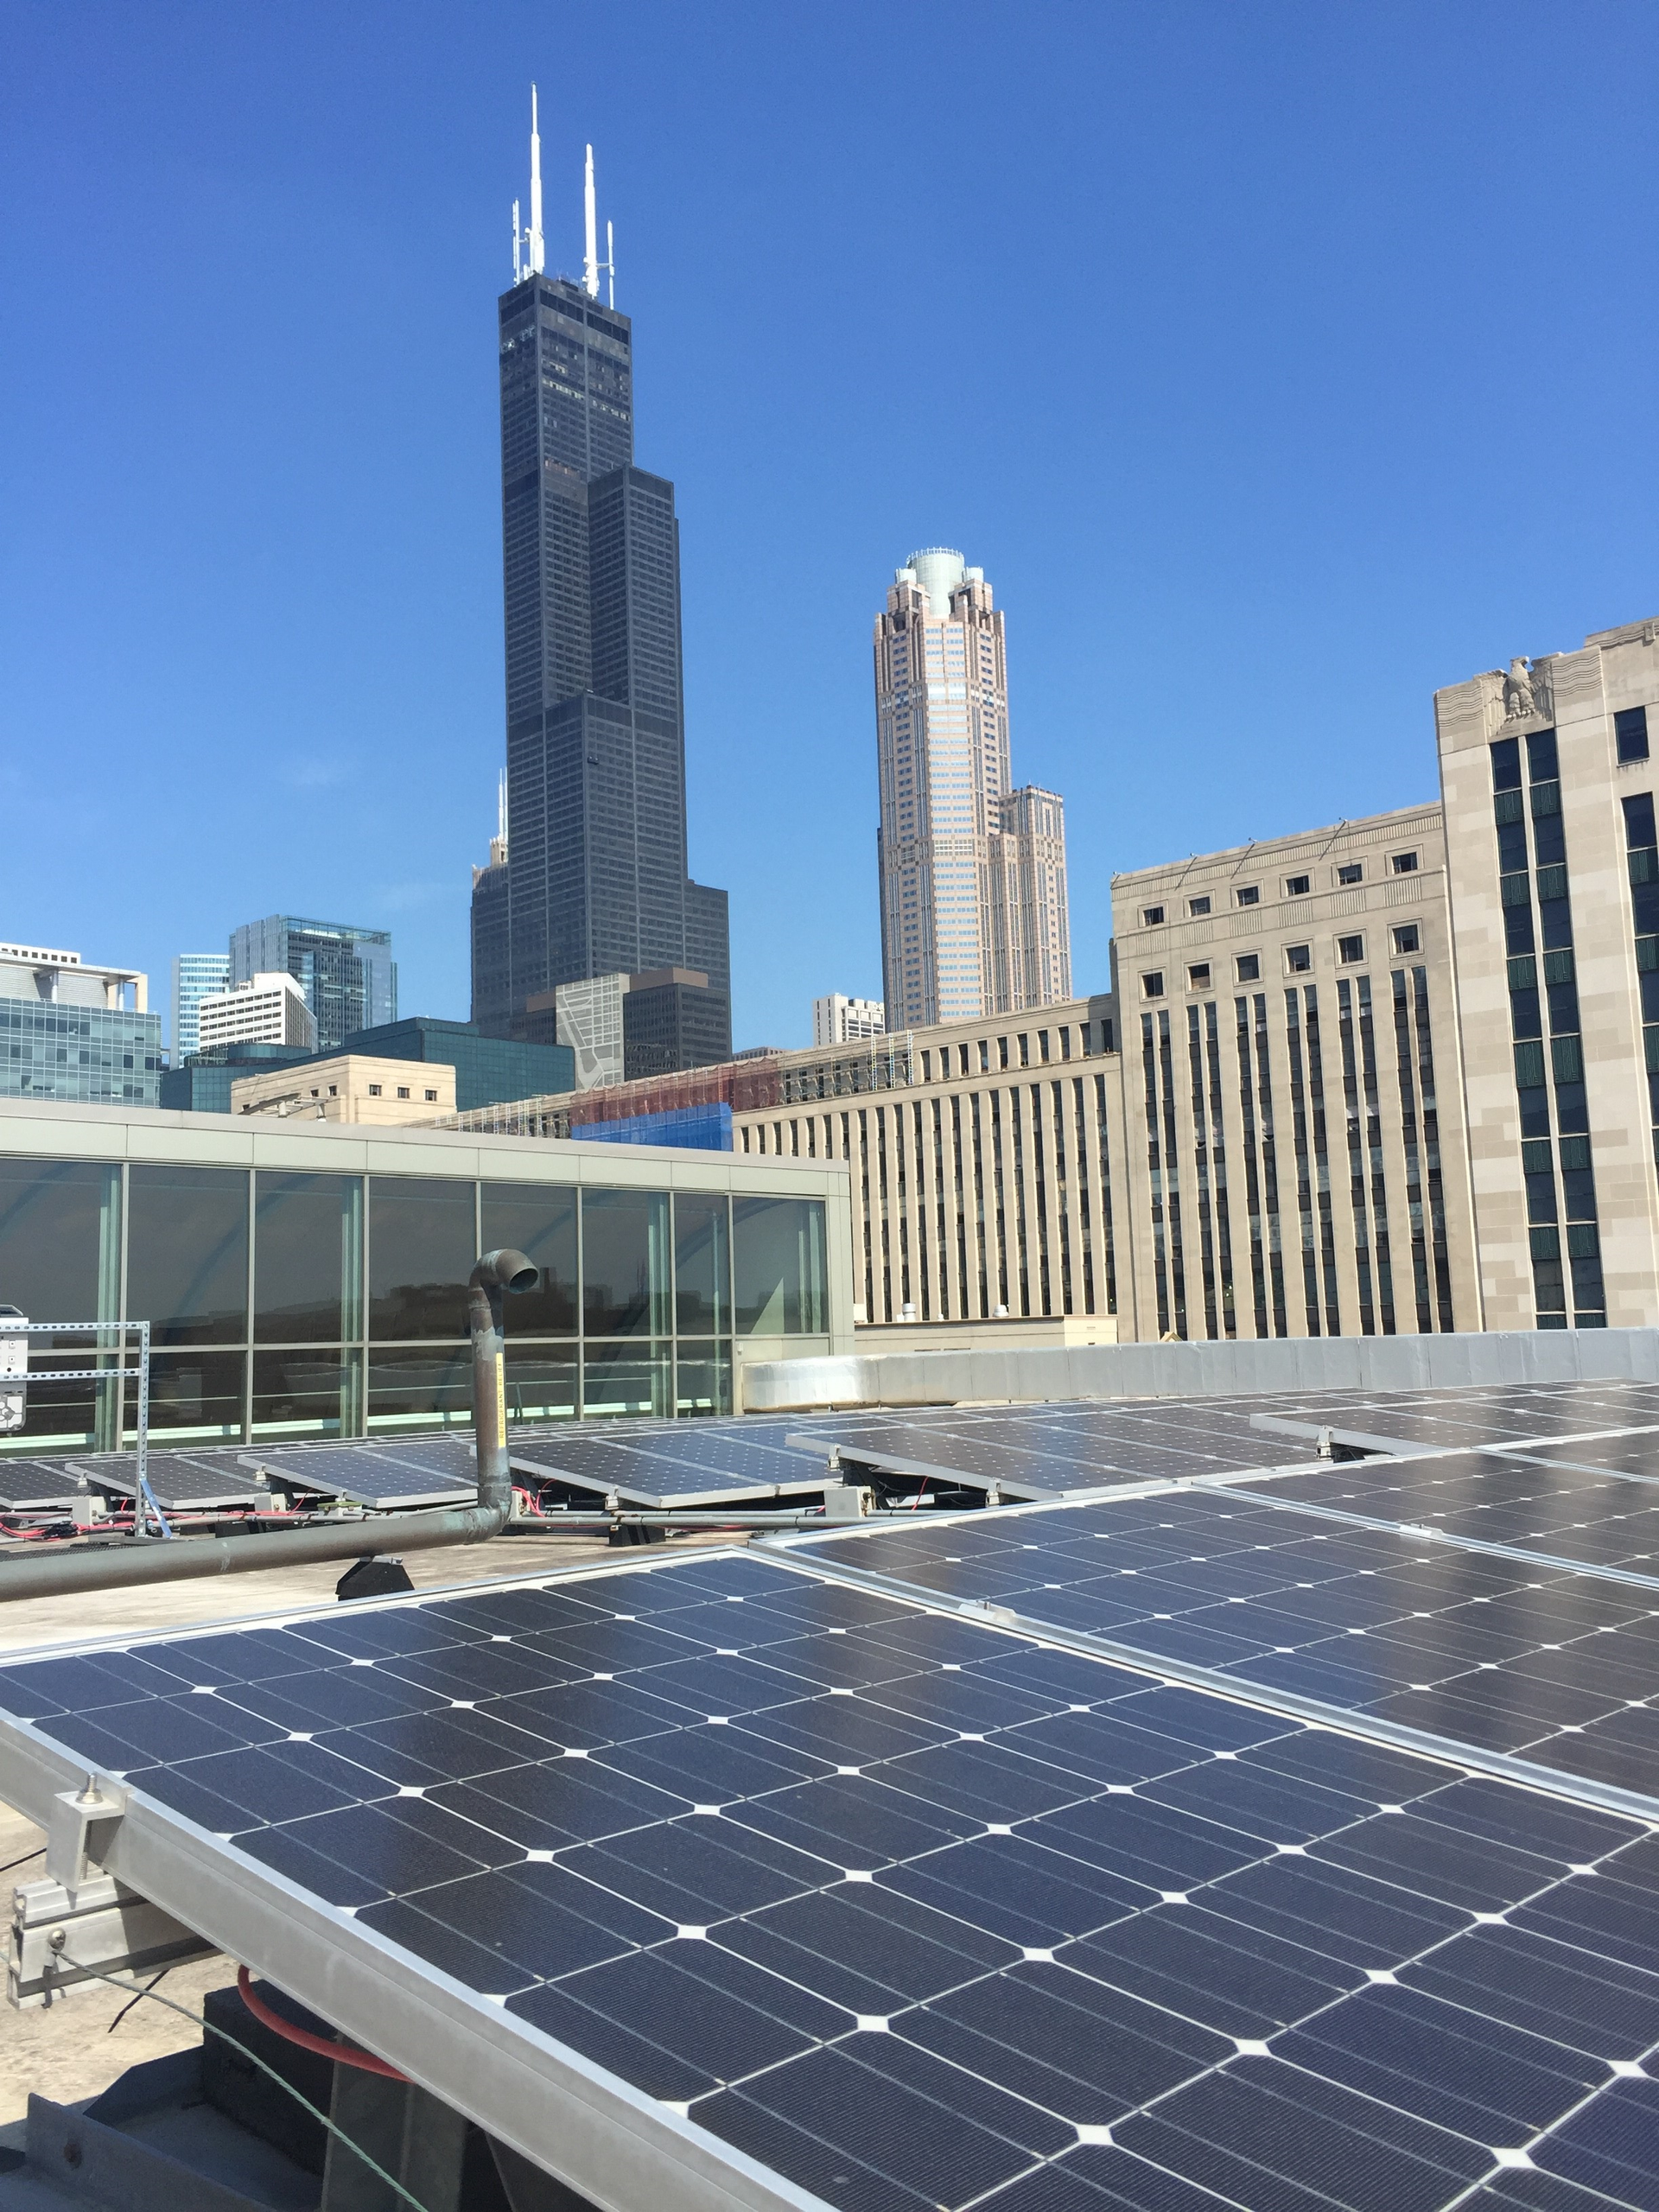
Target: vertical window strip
(1405,1058)
(1439,1250)
(1039,1155)
(1270,1167)
(1102,1143)
(1356,1156)
(1218,1173)
(1374,1153)
(1155,1173)
(1201,1172)
(1062,1198)
(1303,1168)
(1321,1161)
(1085,1240)
(1021,1243)
(1252,1169)
(1642,865)
(1172,1194)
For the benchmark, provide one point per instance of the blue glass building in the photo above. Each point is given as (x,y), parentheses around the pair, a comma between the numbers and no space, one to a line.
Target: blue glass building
(348,974)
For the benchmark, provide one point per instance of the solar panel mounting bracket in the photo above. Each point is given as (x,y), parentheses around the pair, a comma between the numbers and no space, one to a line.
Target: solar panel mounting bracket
(80,1824)
(62,1939)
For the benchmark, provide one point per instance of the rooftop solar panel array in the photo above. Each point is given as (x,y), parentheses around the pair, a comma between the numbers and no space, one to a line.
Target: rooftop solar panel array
(179,1481)
(910,1912)
(413,1471)
(1499,1414)
(1556,1667)
(1042,1452)
(37,1485)
(1531,1504)
(670,1464)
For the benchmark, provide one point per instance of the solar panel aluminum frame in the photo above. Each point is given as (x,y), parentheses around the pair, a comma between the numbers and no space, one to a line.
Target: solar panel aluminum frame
(1469,1758)
(612,2143)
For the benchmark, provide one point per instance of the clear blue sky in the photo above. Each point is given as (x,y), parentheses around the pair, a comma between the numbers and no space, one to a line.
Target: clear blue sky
(1278,363)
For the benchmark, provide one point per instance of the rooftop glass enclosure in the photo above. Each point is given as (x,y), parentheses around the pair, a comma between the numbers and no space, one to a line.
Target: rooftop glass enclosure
(284,1302)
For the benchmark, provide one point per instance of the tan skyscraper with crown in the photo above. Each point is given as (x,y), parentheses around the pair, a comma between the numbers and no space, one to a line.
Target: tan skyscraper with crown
(973,873)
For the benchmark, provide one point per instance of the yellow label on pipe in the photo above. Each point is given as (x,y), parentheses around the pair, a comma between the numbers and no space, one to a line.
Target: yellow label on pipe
(501,1399)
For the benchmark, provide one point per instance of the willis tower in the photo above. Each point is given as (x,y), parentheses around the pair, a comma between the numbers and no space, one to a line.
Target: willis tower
(588,876)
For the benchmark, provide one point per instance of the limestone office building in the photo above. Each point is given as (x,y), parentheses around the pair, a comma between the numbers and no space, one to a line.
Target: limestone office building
(1397,1075)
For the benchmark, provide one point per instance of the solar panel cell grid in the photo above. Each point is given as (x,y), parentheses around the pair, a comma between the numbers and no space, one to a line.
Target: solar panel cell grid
(180,1480)
(36,1485)
(1555,1667)
(1598,1520)
(1118,1942)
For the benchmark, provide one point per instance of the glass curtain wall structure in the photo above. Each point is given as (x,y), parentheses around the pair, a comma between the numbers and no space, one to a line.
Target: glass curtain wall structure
(312,1304)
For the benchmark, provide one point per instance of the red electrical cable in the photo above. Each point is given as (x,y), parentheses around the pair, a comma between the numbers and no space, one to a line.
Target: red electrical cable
(343,2054)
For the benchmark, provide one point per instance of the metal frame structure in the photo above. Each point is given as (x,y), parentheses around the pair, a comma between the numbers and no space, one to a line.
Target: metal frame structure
(143,1496)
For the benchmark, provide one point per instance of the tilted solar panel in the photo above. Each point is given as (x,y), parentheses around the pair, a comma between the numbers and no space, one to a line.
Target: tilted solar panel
(646,1870)
(671,1470)
(413,1470)
(179,1481)
(1554,1667)
(1535,1505)
(37,1485)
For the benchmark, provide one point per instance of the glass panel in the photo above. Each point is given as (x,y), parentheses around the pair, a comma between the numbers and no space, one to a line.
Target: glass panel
(625,1378)
(59,1415)
(193,1394)
(542,1224)
(541,1382)
(420,1390)
(703,1378)
(60,1239)
(625,1262)
(308,1258)
(420,1252)
(778,1253)
(313,1393)
(703,1272)
(187,1254)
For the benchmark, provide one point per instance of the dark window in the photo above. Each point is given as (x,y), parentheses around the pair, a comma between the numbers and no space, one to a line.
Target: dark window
(1296,887)
(1542,766)
(1403,863)
(625,1262)
(541,1222)
(1511,848)
(1297,959)
(308,1258)
(1548,841)
(701,1264)
(1249,967)
(1526,1014)
(60,1240)
(1198,906)
(1630,733)
(1249,896)
(1350,872)
(1638,821)
(778,1259)
(1408,938)
(422,1247)
(1350,948)
(1151,916)
(1506,764)
(187,1253)
(1152,986)
(1197,975)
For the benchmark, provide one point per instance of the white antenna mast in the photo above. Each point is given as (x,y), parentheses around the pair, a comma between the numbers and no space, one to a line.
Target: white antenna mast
(517,269)
(590,257)
(538,251)
(501,808)
(610,259)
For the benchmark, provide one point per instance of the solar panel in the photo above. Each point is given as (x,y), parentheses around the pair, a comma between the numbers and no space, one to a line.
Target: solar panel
(1513,1412)
(673,1465)
(1554,1667)
(1533,1505)
(797,1888)
(415,1470)
(179,1481)
(37,1485)
(1050,1452)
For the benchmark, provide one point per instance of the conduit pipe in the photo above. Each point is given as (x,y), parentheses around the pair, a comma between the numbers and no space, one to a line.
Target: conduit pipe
(190,1558)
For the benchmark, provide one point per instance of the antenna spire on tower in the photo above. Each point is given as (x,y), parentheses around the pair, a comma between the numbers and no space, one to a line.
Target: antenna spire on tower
(538,254)
(610,258)
(590,257)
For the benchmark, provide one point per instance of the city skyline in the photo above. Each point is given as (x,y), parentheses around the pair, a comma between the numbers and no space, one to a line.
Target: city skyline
(1225,469)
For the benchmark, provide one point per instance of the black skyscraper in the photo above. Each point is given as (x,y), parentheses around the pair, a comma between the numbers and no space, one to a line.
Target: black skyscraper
(596,878)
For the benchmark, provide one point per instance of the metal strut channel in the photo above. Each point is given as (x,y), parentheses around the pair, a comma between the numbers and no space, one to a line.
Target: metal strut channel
(1446,1750)
(1420,1531)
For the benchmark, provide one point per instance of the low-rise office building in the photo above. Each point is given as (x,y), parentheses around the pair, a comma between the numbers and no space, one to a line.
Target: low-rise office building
(349,1087)
(72,1031)
(269,1008)
(307,1278)
(837,1019)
